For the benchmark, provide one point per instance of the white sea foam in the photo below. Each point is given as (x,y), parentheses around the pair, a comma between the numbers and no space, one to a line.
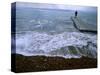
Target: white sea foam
(35,43)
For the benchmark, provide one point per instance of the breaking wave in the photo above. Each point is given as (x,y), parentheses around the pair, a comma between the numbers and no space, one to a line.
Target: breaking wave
(66,44)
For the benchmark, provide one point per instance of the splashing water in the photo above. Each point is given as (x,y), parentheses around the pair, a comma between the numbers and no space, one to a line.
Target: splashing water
(66,44)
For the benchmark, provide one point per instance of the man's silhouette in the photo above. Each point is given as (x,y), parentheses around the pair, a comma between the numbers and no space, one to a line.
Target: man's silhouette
(76,13)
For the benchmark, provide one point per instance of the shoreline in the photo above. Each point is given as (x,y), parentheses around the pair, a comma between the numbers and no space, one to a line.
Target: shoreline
(22,63)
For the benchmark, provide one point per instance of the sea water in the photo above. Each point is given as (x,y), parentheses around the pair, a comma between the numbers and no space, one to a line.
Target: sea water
(52,33)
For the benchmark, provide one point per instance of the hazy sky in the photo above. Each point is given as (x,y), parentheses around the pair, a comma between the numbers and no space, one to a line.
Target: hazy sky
(54,6)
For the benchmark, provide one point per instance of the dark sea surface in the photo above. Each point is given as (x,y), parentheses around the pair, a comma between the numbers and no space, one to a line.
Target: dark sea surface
(49,20)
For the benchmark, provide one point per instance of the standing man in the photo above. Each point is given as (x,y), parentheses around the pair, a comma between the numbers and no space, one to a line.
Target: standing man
(76,13)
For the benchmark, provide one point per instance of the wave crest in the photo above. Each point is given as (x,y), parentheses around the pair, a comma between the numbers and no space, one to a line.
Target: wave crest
(67,44)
